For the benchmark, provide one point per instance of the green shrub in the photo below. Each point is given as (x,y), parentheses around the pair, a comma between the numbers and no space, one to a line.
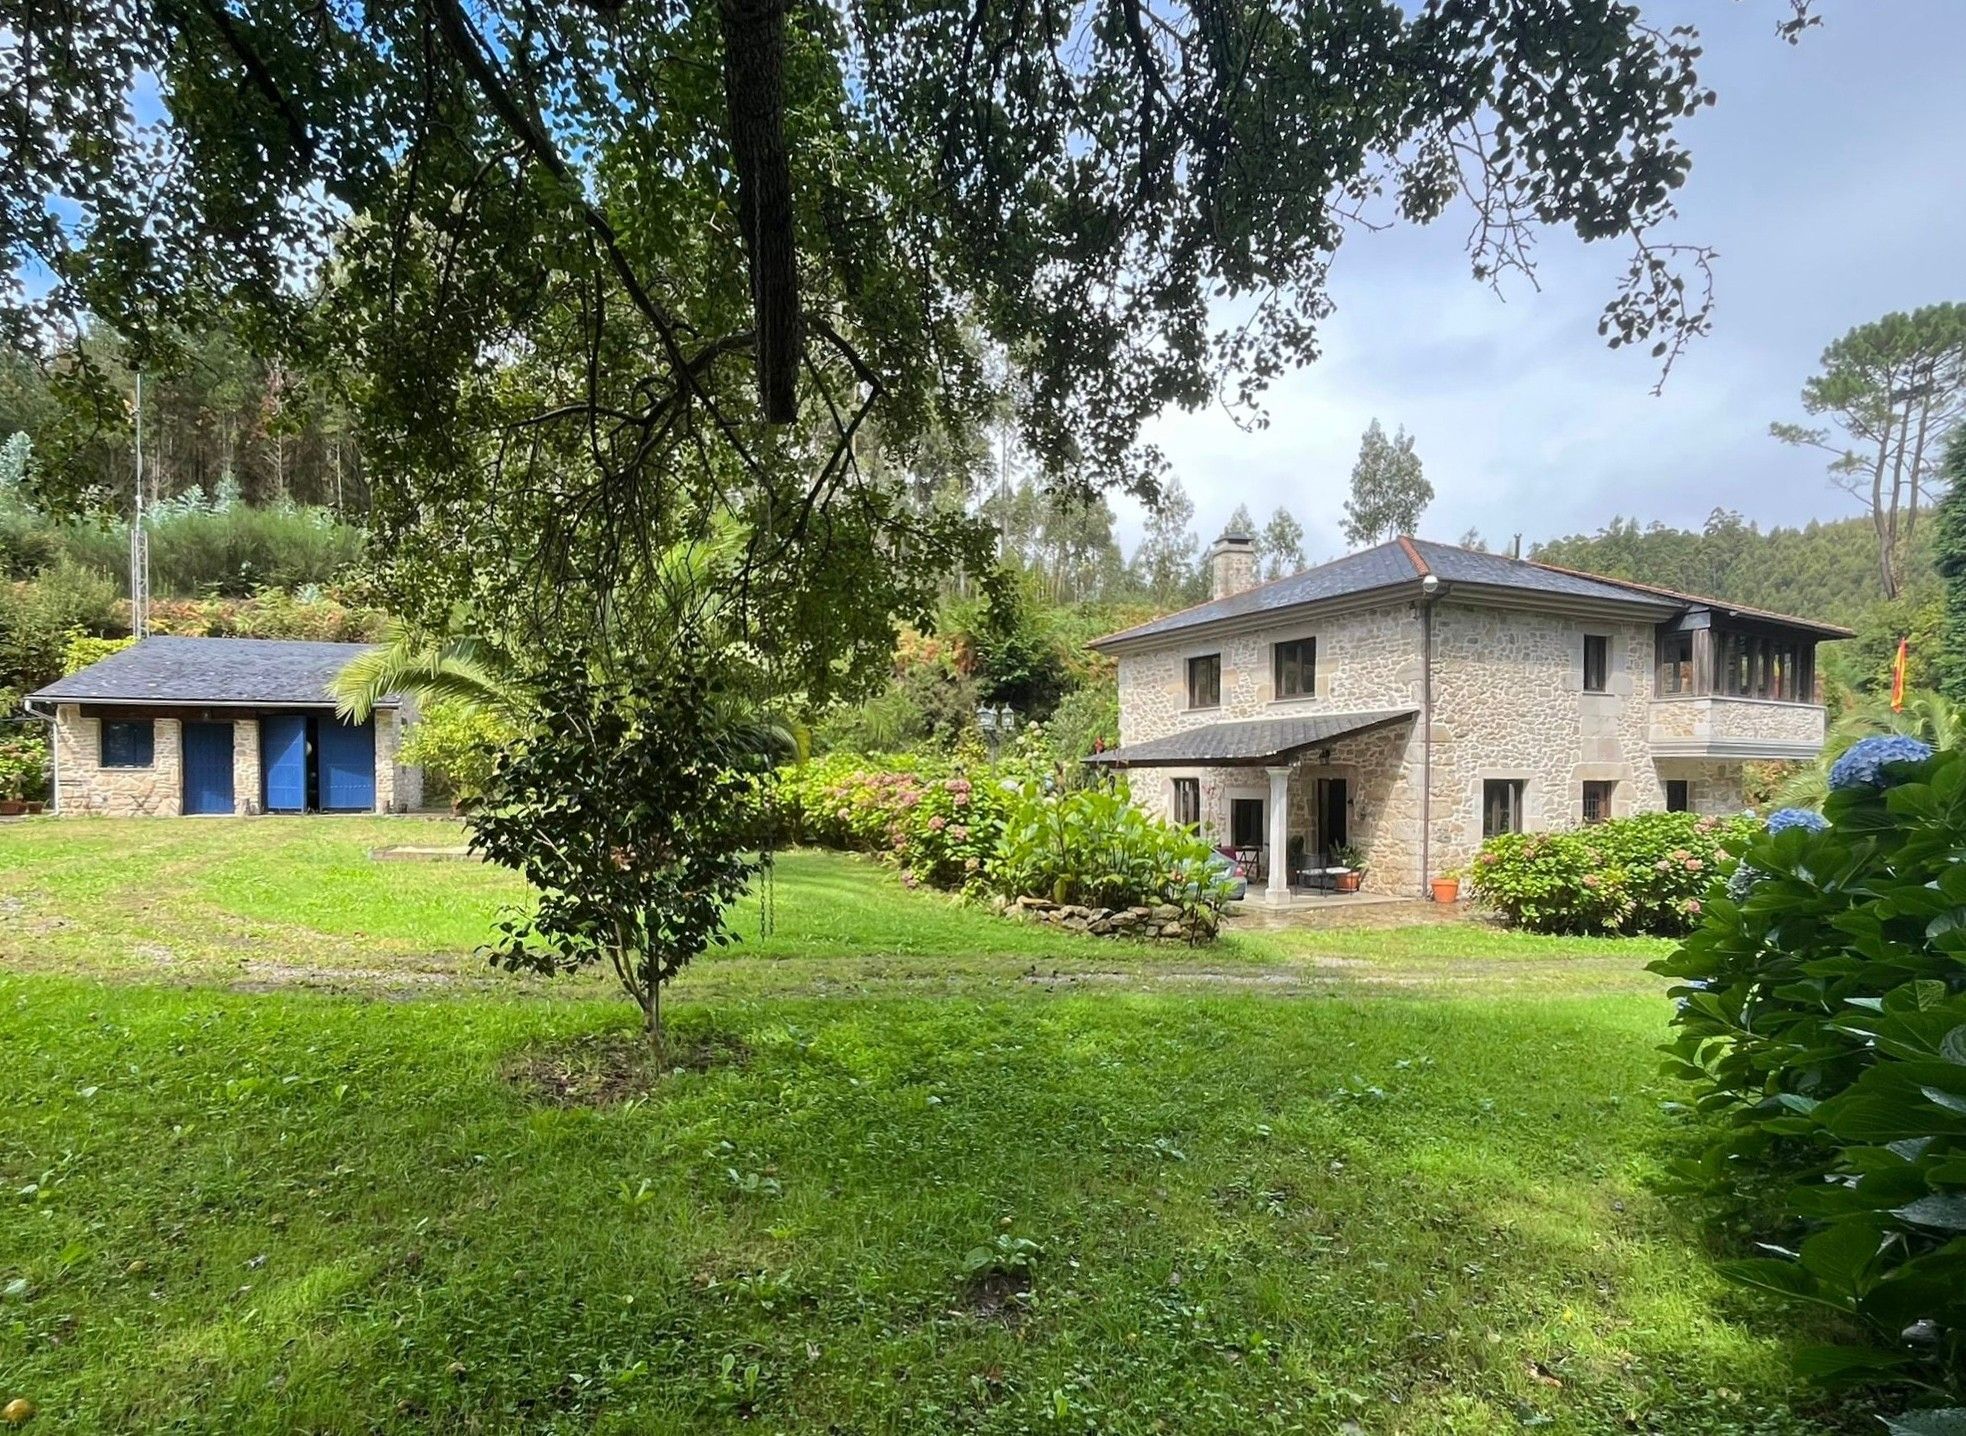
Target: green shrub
(457,746)
(1093,846)
(1822,1023)
(210,548)
(23,761)
(1642,874)
(84,649)
(1008,828)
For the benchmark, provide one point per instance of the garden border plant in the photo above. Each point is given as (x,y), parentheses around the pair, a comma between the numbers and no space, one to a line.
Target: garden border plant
(1822,1025)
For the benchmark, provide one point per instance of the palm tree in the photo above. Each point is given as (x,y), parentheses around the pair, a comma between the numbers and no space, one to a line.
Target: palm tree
(1928,715)
(685,590)
(461,669)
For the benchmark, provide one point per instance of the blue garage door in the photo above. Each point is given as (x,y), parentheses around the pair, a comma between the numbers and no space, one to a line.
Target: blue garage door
(283,761)
(208,767)
(347,766)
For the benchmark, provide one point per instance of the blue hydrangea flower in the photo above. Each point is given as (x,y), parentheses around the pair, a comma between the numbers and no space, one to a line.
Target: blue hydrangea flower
(1783,819)
(1741,880)
(1862,765)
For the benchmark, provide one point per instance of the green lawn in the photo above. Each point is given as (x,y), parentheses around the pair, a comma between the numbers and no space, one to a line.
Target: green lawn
(1325,1182)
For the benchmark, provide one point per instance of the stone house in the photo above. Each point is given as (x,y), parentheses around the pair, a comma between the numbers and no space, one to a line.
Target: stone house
(175,726)
(1415,698)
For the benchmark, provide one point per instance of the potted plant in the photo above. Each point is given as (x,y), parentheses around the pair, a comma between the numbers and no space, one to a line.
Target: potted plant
(1352,860)
(1447,886)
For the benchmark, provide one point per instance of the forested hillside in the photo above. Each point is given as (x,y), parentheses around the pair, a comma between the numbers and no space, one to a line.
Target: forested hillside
(1820,570)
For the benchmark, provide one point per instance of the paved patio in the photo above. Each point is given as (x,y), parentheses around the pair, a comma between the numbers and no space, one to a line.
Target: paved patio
(1306,909)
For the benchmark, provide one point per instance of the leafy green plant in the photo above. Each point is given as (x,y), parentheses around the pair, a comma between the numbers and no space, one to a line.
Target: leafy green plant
(23,762)
(1095,846)
(1644,874)
(1822,1023)
(628,802)
(457,746)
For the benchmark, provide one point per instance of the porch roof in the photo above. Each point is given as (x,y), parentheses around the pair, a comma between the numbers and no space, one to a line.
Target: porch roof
(1251,742)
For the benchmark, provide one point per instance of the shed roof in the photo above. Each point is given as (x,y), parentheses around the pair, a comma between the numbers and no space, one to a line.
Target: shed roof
(1249,742)
(221,672)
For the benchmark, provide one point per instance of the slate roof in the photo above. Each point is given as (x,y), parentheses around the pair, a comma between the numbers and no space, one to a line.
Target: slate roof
(217,671)
(1405,561)
(1250,741)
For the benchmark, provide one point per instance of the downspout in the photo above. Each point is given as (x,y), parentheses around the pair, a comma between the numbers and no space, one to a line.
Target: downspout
(1431,589)
(54,752)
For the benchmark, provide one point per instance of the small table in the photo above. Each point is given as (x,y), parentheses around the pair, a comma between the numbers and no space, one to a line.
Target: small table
(1323,879)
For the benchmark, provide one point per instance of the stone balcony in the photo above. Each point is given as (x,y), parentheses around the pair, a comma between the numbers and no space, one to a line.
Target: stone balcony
(1735,728)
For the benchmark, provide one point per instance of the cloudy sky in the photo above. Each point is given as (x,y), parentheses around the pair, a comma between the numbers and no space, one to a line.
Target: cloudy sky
(1832,180)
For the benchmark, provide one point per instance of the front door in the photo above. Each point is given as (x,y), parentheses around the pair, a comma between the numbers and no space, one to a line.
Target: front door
(208,768)
(1333,805)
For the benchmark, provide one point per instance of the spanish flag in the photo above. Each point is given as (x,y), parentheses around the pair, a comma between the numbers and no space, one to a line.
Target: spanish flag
(1898,667)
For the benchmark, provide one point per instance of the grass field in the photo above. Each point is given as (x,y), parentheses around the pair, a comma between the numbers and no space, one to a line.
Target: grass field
(282,1157)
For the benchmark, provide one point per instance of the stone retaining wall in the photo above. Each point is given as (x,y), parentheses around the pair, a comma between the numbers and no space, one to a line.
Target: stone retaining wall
(1160,922)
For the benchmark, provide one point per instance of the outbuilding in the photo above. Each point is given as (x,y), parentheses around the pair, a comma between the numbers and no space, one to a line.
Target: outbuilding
(173,726)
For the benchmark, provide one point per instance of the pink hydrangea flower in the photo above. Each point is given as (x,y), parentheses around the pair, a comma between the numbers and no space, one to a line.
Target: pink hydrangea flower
(1693,865)
(1693,905)
(960,832)
(937,823)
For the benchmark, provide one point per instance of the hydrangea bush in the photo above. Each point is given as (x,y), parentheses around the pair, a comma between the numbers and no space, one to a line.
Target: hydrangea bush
(1644,874)
(1009,828)
(1822,1026)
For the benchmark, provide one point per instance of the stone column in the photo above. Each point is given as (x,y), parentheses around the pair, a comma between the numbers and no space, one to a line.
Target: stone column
(1279,814)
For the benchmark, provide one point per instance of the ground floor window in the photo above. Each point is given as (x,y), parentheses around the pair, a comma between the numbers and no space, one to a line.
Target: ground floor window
(1187,801)
(1597,800)
(1501,806)
(1679,796)
(128,744)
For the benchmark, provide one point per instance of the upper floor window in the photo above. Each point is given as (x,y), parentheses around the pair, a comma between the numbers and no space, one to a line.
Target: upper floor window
(1501,806)
(1187,801)
(1597,800)
(128,744)
(1597,663)
(1205,681)
(1295,663)
(1753,665)
(1676,663)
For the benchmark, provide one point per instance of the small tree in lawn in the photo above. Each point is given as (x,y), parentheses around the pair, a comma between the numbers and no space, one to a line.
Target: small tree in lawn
(631,803)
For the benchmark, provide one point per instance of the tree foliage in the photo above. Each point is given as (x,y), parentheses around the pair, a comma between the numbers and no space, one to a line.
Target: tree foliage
(1949,558)
(631,802)
(1281,545)
(1389,491)
(1895,388)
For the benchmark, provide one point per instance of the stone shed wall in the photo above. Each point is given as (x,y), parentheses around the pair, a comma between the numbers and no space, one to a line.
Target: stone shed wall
(83,785)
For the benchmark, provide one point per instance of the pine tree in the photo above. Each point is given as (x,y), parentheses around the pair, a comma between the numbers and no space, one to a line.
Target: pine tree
(1389,492)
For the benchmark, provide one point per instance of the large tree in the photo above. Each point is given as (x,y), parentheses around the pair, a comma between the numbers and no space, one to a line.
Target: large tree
(1894,389)
(1389,489)
(590,276)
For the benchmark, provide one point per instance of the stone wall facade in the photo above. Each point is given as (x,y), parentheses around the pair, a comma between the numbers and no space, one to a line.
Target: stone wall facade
(1509,705)
(83,786)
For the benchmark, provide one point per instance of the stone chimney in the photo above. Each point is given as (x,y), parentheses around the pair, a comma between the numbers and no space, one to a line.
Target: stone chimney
(1231,564)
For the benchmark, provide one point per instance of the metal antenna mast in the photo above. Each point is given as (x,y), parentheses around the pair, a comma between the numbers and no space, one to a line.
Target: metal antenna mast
(139,541)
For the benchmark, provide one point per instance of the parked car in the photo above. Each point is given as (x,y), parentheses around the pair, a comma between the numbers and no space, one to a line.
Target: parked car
(1229,870)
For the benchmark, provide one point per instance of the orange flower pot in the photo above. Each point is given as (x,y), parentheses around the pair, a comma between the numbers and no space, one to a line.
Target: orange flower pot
(1447,889)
